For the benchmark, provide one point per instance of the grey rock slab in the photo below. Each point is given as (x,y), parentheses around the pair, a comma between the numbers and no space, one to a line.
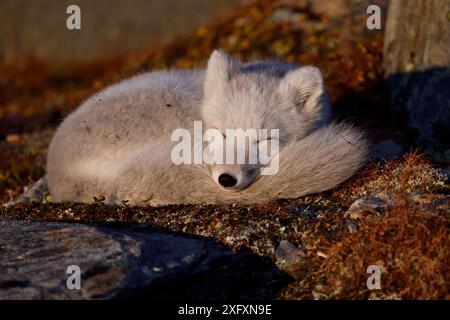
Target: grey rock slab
(125,263)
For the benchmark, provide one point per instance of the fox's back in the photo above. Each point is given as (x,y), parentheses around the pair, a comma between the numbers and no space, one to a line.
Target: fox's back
(118,122)
(145,107)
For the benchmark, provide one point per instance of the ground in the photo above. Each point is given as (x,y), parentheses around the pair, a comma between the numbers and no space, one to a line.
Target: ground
(324,241)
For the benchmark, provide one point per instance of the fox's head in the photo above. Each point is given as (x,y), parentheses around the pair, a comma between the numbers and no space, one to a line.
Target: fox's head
(287,101)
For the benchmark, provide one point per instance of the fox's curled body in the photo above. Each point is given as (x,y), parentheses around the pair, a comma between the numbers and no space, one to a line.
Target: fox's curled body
(117,144)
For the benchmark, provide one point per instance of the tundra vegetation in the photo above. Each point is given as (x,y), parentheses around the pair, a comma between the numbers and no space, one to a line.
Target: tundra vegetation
(401,221)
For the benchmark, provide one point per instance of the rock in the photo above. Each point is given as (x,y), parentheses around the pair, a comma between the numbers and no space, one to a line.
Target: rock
(417,72)
(333,9)
(425,99)
(14,138)
(447,174)
(388,149)
(376,204)
(37,192)
(288,254)
(137,262)
(447,155)
(288,15)
(372,208)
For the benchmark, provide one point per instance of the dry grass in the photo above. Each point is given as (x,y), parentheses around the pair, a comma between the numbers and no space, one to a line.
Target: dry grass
(409,242)
(411,245)
(412,172)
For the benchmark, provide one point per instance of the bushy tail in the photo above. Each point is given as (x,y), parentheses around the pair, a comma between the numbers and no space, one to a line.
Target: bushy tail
(322,160)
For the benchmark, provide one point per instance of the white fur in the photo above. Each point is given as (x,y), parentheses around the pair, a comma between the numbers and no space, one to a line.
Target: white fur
(117,143)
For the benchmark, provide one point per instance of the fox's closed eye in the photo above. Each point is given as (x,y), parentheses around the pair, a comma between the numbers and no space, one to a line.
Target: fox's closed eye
(262,140)
(221,132)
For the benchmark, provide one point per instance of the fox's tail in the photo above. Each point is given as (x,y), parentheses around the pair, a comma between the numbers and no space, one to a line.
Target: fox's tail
(322,160)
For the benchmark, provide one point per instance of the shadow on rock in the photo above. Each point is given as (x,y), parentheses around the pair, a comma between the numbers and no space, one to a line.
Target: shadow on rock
(119,263)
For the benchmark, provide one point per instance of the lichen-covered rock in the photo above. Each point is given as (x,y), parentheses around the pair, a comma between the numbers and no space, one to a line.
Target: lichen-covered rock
(287,253)
(377,203)
(36,192)
(372,208)
(114,263)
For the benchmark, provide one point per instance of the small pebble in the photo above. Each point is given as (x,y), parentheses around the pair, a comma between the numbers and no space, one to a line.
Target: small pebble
(13,138)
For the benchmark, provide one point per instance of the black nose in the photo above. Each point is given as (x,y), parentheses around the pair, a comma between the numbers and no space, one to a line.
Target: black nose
(227,180)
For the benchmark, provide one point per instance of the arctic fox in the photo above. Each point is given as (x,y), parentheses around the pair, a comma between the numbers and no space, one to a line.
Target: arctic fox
(117,145)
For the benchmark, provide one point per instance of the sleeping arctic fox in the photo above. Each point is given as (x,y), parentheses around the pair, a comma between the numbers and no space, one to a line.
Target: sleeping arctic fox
(119,145)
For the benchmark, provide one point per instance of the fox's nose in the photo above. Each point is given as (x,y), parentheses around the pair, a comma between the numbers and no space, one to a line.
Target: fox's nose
(227,181)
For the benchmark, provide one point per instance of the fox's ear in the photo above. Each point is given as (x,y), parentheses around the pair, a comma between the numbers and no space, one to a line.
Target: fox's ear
(305,87)
(221,68)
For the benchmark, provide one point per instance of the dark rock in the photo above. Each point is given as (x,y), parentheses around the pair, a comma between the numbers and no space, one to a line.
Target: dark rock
(447,173)
(125,263)
(425,98)
(388,149)
(416,65)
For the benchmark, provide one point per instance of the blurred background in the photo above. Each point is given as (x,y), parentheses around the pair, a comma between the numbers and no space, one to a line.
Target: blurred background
(38,28)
